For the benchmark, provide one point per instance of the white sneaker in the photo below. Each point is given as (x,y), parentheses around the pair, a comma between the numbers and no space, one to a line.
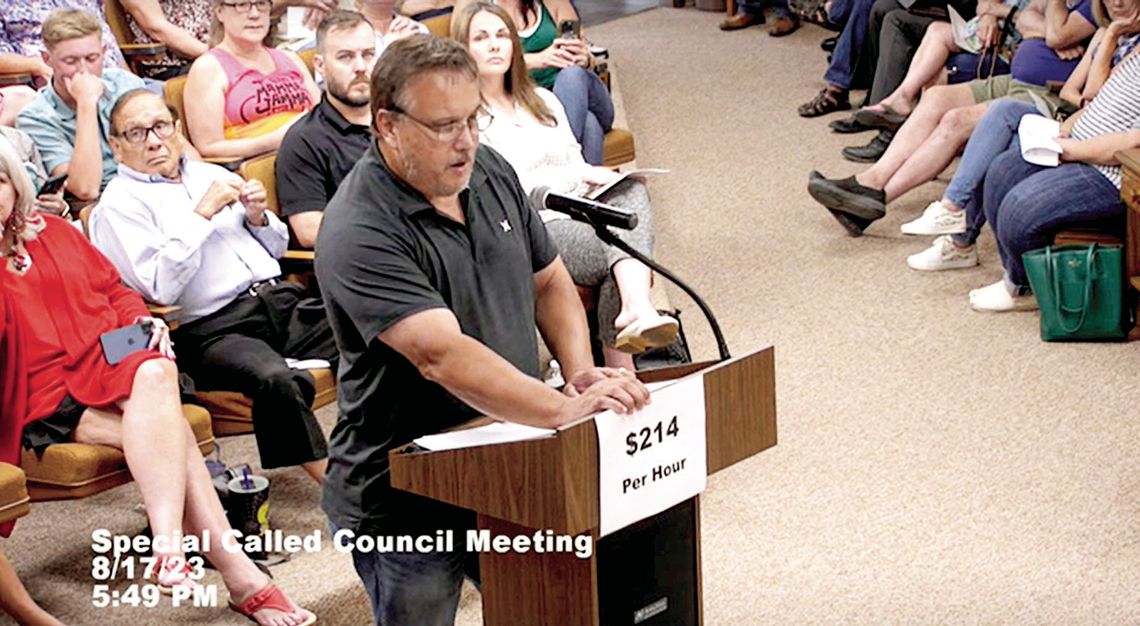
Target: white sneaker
(996,298)
(936,220)
(943,255)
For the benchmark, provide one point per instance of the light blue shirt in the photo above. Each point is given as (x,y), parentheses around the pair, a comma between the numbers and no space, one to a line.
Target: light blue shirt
(147,226)
(51,123)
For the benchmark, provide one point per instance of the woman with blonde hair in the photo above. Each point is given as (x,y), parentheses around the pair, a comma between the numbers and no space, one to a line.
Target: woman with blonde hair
(58,295)
(529,128)
(242,96)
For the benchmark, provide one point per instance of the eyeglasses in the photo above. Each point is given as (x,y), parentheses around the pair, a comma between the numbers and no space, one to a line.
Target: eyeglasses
(450,131)
(162,129)
(243,7)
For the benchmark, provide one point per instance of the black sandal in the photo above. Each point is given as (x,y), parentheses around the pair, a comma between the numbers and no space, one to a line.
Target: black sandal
(826,101)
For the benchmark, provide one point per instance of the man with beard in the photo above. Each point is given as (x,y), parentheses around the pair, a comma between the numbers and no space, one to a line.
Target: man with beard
(320,149)
(435,272)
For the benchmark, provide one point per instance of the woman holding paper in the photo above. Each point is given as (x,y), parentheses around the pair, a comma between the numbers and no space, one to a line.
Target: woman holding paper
(1027,204)
(958,217)
(528,127)
(938,43)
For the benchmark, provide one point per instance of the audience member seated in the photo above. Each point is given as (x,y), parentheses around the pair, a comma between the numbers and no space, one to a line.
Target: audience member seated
(57,296)
(22,25)
(192,234)
(183,27)
(1026,204)
(561,64)
(68,120)
(320,149)
(528,127)
(749,12)
(857,47)
(958,216)
(929,63)
(25,150)
(388,24)
(246,94)
(946,115)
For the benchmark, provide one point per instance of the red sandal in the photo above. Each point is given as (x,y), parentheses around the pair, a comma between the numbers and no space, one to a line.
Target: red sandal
(271,597)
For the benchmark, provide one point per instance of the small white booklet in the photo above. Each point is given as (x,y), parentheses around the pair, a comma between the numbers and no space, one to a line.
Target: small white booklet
(1038,135)
(965,33)
(596,192)
(497,432)
(308,364)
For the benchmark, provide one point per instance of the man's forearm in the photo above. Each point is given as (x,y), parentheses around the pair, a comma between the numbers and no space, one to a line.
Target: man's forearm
(85,171)
(491,385)
(562,322)
(19,64)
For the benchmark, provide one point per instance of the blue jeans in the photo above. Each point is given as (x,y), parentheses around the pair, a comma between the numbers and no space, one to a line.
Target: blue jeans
(757,6)
(992,137)
(413,589)
(841,71)
(1027,204)
(588,107)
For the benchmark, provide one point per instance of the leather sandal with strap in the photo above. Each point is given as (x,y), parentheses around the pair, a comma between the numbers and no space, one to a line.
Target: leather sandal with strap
(826,101)
(271,597)
(171,572)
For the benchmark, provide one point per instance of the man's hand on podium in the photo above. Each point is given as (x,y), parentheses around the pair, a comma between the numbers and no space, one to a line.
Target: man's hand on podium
(602,389)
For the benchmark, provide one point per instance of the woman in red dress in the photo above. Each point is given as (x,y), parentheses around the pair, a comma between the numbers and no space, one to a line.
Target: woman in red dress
(58,294)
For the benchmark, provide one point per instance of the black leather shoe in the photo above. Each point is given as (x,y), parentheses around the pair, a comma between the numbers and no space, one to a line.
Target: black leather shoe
(848,125)
(853,224)
(828,45)
(870,152)
(847,196)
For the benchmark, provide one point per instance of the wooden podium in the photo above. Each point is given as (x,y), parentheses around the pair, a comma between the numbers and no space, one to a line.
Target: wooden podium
(552,483)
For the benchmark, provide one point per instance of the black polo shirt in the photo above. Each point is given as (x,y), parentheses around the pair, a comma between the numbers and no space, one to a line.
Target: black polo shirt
(315,155)
(385,253)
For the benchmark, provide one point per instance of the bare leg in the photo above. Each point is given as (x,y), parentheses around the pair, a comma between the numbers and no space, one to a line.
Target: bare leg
(151,435)
(936,152)
(204,512)
(929,60)
(633,280)
(918,127)
(316,469)
(617,358)
(17,603)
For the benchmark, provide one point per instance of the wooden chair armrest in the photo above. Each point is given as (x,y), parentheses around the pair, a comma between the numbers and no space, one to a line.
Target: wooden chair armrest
(134,51)
(168,314)
(9,80)
(299,255)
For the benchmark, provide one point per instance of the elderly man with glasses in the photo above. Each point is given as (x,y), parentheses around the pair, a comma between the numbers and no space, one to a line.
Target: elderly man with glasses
(435,273)
(191,234)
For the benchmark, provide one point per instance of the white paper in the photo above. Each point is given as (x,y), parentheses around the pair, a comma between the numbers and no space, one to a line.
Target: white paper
(1038,136)
(498,432)
(652,459)
(308,364)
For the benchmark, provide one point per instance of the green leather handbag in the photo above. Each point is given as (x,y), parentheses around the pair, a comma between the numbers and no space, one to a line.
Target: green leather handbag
(1080,291)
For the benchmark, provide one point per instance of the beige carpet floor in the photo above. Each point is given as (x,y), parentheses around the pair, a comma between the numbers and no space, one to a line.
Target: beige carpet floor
(935,465)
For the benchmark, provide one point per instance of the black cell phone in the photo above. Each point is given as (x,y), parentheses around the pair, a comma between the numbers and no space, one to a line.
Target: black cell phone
(121,343)
(53,185)
(569,29)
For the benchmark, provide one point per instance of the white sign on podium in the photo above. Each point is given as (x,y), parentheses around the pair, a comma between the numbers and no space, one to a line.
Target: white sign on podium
(653,459)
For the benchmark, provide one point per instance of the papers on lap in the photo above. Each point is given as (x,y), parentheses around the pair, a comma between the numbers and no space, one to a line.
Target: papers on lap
(1038,135)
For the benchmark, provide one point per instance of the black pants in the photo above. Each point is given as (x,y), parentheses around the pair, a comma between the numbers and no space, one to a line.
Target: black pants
(241,347)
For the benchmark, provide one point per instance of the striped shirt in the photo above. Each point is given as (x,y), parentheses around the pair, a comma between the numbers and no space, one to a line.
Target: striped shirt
(1115,109)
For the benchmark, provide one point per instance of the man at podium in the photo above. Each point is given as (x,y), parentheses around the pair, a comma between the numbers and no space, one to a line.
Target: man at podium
(435,273)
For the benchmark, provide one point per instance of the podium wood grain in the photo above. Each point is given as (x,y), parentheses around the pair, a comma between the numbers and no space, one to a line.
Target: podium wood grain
(552,483)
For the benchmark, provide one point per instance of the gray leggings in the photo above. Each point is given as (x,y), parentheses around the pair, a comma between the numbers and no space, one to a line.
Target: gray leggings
(590,260)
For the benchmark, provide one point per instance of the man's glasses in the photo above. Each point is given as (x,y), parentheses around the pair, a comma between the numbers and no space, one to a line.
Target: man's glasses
(243,7)
(450,131)
(162,129)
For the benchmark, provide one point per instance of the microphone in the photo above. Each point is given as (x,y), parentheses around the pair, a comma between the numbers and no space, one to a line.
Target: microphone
(583,210)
